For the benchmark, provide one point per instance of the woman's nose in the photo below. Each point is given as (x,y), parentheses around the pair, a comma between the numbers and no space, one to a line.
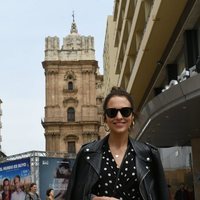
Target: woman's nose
(119,115)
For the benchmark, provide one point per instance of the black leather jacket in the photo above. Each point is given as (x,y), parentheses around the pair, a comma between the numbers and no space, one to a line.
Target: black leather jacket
(86,169)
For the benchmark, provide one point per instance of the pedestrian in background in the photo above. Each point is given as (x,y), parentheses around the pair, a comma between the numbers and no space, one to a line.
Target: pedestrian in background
(181,193)
(32,194)
(191,193)
(117,166)
(169,192)
(50,194)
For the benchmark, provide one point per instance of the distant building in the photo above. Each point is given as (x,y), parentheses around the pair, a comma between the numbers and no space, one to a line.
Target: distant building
(74,93)
(156,47)
(109,54)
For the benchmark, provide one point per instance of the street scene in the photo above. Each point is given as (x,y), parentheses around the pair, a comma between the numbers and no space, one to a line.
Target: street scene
(100,100)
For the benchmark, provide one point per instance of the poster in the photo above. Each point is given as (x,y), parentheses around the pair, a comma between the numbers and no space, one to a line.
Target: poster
(15,178)
(54,173)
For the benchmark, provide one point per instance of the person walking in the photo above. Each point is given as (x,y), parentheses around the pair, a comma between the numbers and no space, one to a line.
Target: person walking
(32,194)
(169,192)
(117,167)
(50,194)
(181,193)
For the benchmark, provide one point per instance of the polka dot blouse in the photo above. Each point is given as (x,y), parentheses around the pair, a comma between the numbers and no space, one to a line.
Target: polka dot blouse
(121,183)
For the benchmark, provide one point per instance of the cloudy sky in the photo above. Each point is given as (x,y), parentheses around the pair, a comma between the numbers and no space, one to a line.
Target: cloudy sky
(24,24)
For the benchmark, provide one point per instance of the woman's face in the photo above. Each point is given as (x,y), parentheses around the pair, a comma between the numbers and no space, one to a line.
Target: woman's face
(64,170)
(34,188)
(119,124)
(51,193)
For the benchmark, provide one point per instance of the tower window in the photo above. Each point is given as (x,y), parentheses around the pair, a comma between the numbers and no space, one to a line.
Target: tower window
(70,85)
(70,115)
(71,147)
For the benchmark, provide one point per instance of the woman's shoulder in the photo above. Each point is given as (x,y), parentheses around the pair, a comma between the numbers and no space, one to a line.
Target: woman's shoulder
(90,145)
(87,145)
(144,150)
(141,144)
(93,146)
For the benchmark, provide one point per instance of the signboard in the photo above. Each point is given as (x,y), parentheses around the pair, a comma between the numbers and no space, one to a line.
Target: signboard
(54,173)
(15,177)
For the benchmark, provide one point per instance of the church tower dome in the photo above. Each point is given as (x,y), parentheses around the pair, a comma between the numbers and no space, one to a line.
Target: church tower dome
(73,114)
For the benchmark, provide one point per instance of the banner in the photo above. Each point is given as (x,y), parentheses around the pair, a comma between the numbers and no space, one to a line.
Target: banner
(54,173)
(15,178)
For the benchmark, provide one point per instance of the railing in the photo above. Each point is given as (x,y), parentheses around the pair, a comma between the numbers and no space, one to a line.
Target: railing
(185,74)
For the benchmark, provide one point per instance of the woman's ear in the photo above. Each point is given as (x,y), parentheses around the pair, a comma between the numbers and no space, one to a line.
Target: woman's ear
(133,120)
(106,128)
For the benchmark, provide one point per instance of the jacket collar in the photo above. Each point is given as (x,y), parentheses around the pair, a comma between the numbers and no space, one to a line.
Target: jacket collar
(93,154)
(142,150)
(95,146)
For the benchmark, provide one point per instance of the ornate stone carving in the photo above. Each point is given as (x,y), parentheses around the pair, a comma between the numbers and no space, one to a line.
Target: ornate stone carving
(66,90)
(70,75)
(71,137)
(72,100)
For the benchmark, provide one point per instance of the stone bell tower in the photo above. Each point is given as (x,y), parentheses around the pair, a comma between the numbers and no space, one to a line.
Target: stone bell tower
(73,110)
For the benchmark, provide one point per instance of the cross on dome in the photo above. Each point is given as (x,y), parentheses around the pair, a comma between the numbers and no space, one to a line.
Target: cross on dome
(73,26)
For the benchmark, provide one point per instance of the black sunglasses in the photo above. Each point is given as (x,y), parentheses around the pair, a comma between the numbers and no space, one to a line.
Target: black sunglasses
(112,112)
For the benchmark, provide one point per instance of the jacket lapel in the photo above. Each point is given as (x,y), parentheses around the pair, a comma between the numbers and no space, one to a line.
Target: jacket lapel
(93,154)
(143,158)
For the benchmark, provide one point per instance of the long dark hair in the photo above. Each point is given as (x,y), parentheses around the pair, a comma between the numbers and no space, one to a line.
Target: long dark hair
(48,191)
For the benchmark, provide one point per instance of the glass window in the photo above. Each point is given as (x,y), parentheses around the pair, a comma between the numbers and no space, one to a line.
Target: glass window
(70,115)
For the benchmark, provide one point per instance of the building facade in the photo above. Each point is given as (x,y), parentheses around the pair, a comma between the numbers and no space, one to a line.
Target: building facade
(109,53)
(73,110)
(157,61)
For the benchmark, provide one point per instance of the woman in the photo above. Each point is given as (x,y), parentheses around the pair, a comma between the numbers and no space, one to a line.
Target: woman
(117,167)
(6,194)
(62,178)
(32,194)
(50,194)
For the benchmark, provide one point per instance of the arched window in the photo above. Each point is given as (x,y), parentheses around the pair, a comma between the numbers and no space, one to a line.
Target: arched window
(70,85)
(70,114)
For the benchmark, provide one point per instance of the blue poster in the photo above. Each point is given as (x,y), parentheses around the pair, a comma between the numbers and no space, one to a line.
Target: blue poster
(17,167)
(15,178)
(54,173)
